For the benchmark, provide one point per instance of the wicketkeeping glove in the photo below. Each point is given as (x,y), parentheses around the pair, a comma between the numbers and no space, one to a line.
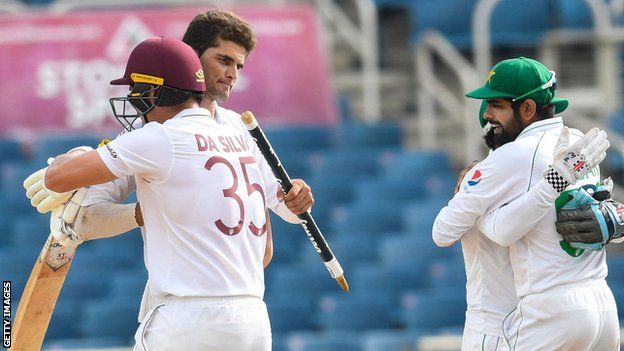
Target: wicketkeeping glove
(590,222)
(572,163)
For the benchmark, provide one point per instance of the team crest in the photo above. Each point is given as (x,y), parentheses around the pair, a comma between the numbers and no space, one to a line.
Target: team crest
(199,76)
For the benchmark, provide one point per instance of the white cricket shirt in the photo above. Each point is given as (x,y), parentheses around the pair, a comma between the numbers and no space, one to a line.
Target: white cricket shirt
(202,198)
(538,261)
(490,293)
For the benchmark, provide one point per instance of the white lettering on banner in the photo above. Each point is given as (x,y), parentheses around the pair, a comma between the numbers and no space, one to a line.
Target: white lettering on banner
(84,84)
(281,27)
(28,34)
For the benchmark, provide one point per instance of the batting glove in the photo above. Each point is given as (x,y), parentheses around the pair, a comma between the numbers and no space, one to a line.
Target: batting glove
(572,163)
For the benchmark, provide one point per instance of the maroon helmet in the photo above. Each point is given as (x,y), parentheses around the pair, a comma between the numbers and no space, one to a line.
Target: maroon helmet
(161,72)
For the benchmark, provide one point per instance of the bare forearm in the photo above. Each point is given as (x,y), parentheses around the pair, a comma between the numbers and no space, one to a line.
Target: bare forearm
(75,170)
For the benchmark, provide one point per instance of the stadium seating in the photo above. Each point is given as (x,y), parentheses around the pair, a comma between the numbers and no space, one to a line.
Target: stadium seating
(10,151)
(322,341)
(421,309)
(109,317)
(53,145)
(340,311)
(450,17)
(572,14)
(363,137)
(520,23)
(386,340)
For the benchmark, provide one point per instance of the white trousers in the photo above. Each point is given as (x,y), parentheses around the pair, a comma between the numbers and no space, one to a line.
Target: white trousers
(207,324)
(574,317)
(475,341)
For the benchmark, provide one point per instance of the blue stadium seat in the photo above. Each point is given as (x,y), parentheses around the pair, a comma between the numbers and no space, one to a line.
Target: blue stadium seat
(344,312)
(14,196)
(84,285)
(300,280)
(109,317)
(350,255)
(16,263)
(346,163)
(389,278)
(85,343)
(385,340)
(63,322)
(572,14)
(412,250)
(330,191)
(452,18)
(418,216)
(30,230)
(290,314)
(389,190)
(448,274)
(520,23)
(322,341)
(308,138)
(128,283)
(53,145)
(424,309)
(296,163)
(370,217)
(10,151)
(361,136)
(417,166)
(288,238)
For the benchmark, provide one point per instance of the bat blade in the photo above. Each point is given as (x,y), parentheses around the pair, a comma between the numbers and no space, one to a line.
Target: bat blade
(40,294)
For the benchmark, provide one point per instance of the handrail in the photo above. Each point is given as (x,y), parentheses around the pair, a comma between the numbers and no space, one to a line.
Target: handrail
(431,90)
(362,40)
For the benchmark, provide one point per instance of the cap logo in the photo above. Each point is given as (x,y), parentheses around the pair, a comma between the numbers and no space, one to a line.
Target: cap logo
(199,76)
(145,78)
(490,75)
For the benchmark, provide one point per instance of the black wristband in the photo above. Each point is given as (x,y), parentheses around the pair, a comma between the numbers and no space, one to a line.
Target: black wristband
(556,181)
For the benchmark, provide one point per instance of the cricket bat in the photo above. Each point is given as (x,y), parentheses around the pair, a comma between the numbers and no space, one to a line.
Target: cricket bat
(40,294)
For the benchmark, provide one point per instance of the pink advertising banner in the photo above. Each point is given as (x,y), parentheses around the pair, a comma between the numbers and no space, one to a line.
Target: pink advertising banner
(55,68)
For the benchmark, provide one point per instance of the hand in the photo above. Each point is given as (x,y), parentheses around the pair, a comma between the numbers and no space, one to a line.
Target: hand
(64,217)
(299,199)
(43,199)
(462,174)
(573,162)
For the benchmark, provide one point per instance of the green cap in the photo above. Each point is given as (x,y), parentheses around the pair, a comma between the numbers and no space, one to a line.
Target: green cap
(521,78)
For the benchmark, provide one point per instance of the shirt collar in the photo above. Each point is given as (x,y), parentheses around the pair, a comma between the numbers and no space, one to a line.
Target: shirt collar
(195,111)
(542,125)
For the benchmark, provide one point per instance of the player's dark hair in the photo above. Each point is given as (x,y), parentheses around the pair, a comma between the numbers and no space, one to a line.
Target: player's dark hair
(168,96)
(207,28)
(543,111)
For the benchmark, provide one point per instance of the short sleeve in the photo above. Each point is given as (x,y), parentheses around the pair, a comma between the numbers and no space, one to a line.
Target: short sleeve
(146,153)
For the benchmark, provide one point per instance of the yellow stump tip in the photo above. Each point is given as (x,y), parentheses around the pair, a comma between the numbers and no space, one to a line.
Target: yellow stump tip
(343,283)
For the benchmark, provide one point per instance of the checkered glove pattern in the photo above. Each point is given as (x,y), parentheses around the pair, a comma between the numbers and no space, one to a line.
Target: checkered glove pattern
(573,162)
(555,180)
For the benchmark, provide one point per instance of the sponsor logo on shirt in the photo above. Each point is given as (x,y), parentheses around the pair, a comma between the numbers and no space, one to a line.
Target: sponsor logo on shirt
(476,178)
(111,151)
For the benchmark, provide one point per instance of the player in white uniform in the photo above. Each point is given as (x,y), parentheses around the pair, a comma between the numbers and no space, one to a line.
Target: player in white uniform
(203,200)
(555,288)
(490,293)
(223,40)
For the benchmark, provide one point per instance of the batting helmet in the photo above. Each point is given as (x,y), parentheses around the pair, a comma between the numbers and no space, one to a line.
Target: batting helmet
(161,72)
